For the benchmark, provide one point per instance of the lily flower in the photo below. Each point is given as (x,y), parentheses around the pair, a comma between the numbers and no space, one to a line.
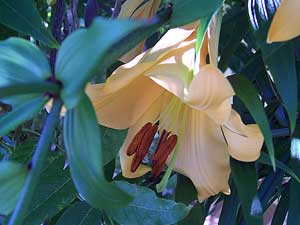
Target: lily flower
(134,9)
(160,92)
(285,24)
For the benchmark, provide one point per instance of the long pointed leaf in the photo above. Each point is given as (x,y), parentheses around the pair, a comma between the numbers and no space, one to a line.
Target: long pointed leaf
(83,145)
(87,50)
(12,178)
(245,179)
(245,90)
(23,16)
(20,114)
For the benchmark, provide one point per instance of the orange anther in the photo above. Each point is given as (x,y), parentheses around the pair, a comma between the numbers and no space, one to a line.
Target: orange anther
(136,141)
(162,153)
(143,147)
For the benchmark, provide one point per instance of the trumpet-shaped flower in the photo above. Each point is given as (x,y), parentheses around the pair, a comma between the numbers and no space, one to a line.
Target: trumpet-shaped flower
(285,24)
(134,9)
(160,92)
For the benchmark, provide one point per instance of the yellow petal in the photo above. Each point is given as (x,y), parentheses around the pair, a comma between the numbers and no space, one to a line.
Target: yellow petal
(210,92)
(172,40)
(48,108)
(204,51)
(213,38)
(132,53)
(130,9)
(174,73)
(126,74)
(244,141)
(285,24)
(203,155)
(123,107)
(150,115)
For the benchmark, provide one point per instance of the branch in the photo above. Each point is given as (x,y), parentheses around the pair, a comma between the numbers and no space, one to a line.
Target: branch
(36,165)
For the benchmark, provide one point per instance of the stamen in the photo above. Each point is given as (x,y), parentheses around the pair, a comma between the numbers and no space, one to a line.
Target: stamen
(143,147)
(162,139)
(136,141)
(162,153)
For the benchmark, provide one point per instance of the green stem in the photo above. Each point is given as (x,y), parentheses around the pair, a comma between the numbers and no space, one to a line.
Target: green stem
(36,165)
(30,88)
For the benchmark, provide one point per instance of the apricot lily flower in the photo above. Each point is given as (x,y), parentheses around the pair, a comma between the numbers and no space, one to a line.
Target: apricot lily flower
(134,10)
(285,24)
(157,91)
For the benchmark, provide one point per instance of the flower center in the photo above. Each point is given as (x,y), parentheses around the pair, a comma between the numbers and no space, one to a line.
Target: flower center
(140,145)
(171,122)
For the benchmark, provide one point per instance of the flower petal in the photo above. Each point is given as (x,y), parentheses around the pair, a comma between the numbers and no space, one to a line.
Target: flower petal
(122,107)
(174,73)
(132,53)
(244,141)
(210,92)
(203,155)
(130,9)
(171,41)
(285,24)
(150,115)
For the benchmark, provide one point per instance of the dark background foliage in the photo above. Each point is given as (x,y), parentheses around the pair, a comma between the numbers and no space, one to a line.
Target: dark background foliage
(270,101)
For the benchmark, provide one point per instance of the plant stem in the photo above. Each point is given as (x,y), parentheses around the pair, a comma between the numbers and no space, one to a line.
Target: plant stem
(36,165)
(30,88)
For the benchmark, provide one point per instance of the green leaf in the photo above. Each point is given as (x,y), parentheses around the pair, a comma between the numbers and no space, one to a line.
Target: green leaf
(54,192)
(146,208)
(12,178)
(246,91)
(264,159)
(23,152)
(80,213)
(20,114)
(85,51)
(233,30)
(230,207)
(294,203)
(280,60)
(186,193)
(185,190)
(112,141)
(83,145)
(282,208)
(23,17)
(245,178)
(21,63)
(204,23)
(190,10)
(278,57)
